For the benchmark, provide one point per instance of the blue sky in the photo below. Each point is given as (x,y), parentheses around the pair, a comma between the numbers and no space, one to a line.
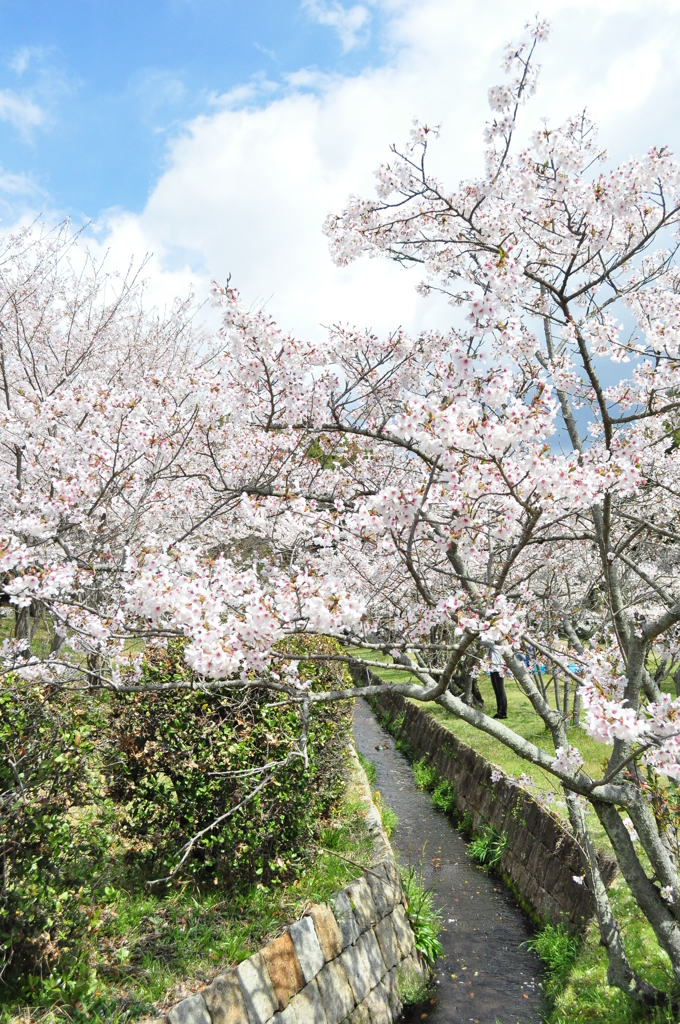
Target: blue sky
(216,135)
(94,89)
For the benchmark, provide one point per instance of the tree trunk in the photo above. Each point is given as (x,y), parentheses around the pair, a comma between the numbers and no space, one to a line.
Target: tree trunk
(22,623)
(619,971)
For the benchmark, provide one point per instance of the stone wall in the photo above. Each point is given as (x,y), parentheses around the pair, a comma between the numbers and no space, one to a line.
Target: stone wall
(340,962)
(541,857)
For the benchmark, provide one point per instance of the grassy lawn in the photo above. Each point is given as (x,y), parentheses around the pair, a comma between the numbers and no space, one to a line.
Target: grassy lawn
(587,998)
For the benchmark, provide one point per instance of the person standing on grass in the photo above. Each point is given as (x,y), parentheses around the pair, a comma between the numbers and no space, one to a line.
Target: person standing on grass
(497,674)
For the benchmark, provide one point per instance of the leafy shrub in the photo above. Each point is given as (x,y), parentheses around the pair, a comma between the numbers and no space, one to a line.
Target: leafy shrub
(488,847)
(55,834)
(186,757)
(426,922)
(425,774)
(145,772)
(558,948)
(444,796)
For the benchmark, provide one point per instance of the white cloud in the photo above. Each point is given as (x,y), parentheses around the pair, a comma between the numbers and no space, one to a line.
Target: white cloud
(21,198)
(350,23)
(248,185)
(24,56)
(157,89)
(20,111)
(19,184)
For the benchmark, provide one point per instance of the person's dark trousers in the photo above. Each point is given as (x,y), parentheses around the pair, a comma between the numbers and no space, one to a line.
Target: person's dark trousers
(499,691)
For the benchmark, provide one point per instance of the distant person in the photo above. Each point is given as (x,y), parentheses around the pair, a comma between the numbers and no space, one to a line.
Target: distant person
(497,675)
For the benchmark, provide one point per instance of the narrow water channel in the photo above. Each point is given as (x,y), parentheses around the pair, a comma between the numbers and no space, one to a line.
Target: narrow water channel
(485,975)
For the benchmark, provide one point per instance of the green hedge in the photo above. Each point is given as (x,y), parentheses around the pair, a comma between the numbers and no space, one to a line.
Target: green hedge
(177,753)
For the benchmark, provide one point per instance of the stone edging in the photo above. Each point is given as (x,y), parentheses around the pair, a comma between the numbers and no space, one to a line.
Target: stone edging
(541,857)
(338,963)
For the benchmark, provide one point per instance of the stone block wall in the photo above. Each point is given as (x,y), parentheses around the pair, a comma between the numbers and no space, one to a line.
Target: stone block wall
(541,857)
(339,963)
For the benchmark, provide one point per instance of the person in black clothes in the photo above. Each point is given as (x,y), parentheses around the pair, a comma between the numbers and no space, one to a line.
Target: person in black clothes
(496,675)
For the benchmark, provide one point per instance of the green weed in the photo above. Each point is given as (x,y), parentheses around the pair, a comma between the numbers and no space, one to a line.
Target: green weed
(398,723)
(387,815)
(405,748)
(425,921)
(558,948)
(488,847)
(414,987)
(467,824)
(425,774)
(368,767)
(444,796)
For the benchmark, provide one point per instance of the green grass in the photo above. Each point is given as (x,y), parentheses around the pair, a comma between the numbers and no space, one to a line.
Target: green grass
(559,950)
(42,637)
(444,797)
(156,939)
(387,815)
(368,767)
(581,994)
(414,988)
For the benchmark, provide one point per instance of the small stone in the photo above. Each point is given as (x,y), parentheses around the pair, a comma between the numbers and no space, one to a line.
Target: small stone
(307,947)
(368,944)
(378,1007)
(344,915)
(258,991)
(357,971)
(327,930)
(307,1005)
(284,968)
(190,1011)
(361,902)
(402,930)
(225,1001)
(387,940)
(336,994)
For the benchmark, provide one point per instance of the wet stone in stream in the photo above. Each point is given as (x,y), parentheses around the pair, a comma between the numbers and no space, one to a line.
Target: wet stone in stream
(486,975)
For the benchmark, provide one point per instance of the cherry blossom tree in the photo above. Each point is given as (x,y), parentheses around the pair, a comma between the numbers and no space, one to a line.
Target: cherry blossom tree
(548,478)
(512,480)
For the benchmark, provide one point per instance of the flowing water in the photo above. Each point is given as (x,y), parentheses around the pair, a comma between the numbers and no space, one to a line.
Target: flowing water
(486,975)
